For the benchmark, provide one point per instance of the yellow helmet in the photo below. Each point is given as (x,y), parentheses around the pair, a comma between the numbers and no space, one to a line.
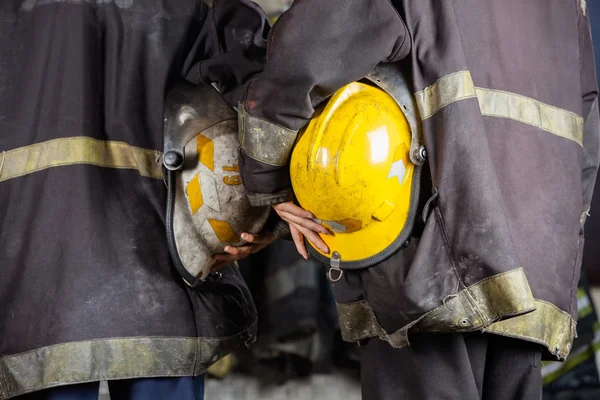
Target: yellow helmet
(351,167)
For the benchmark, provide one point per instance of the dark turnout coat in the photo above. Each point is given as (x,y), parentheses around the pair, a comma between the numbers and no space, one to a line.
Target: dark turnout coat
(87,289)
(507,97)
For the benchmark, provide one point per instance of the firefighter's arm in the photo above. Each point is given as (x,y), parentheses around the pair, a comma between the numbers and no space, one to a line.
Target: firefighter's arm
(315,48)
(591,127)
(230,49)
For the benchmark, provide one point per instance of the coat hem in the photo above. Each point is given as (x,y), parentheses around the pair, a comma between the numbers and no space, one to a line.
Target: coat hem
(502,304)
(113,359)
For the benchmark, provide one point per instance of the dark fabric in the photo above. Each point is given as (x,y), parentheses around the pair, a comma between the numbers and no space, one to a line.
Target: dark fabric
(347,39)
(230,48)
(591,258)
(264,175)
(315,48)
(84,391)
(83,254)
(187,388)
(296,314)
(509,195)
(452,367)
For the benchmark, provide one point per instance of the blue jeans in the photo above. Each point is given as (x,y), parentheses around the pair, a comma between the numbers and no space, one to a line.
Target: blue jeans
(186,388)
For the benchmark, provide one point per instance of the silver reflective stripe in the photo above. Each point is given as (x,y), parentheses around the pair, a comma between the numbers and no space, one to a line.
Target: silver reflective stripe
(499,104)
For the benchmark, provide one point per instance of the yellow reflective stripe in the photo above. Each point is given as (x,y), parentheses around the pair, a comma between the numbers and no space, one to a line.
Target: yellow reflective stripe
(80,150)
(499,104)
(447,90)
(563,123)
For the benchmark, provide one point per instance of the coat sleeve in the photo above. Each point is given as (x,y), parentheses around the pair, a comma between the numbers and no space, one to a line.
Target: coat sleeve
(315,48)
(591,127)
(230,48)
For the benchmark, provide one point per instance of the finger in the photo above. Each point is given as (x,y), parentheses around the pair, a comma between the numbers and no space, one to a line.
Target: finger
(291,208)
(225,257)
(315,239)
(250,238)
(240,252)
(257,239)
(306,223)
(234,251)
(299,242)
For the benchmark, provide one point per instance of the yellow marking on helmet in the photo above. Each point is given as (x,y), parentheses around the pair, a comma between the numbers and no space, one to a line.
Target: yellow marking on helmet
(224,231)
(352,225)
(194,194)
(384,211)
(206,151)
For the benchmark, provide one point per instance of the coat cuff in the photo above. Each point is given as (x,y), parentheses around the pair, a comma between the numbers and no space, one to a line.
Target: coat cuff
(265,199)
(265,141)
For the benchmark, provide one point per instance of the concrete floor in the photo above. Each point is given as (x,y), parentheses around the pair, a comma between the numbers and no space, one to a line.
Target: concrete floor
(239,387)
(326,387)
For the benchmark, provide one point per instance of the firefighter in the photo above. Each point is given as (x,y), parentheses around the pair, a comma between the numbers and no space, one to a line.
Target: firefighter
(88,291)
(500,131)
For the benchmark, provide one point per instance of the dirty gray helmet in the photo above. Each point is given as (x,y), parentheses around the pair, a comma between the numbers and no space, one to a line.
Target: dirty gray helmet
(207,206)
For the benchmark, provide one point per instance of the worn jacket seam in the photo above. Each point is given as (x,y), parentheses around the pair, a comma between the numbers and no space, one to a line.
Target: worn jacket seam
(462,285)
(449,252)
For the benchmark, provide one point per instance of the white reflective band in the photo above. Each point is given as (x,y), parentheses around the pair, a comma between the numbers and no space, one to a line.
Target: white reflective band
(499,104)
